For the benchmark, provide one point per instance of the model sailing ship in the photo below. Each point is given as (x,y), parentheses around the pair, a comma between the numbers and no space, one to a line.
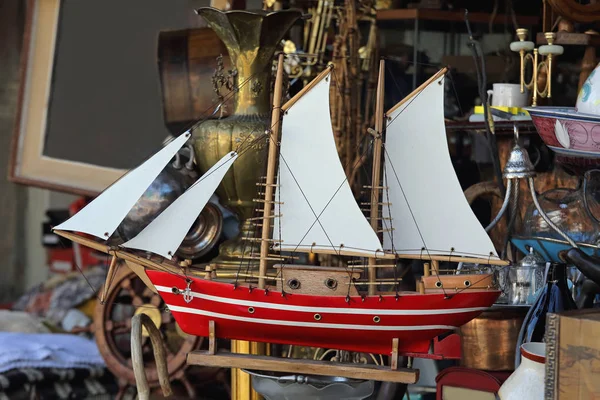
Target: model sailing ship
(309,207)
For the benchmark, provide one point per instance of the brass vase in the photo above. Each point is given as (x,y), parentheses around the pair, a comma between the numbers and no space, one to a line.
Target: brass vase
(251,38)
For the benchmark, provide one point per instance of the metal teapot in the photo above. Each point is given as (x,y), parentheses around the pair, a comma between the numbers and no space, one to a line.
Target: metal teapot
(171,183)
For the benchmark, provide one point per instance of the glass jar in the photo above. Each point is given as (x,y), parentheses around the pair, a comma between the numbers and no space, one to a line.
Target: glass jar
(524,284)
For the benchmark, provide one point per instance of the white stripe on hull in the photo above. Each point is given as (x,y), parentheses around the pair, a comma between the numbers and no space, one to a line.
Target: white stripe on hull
(334,310)
(308,324)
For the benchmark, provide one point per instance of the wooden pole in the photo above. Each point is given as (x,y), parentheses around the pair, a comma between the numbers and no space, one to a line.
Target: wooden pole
(375,181)
(437,258)
(419,89)
(241,388)
(271,162)
(109,278)
(435,267)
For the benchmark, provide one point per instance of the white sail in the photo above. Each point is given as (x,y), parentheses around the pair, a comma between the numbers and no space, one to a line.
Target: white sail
(166,232)
(312,184)
(104,214)
(428,208)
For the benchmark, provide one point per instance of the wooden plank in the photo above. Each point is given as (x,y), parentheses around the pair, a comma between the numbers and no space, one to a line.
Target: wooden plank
(212,341)
(451,282)
(304,367)
(394,363)
(450,16)
(314,282)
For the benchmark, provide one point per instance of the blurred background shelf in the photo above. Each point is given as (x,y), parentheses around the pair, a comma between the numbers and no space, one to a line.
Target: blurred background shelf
(451,16)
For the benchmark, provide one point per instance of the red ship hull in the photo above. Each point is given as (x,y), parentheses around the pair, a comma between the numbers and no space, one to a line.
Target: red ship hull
(367,325)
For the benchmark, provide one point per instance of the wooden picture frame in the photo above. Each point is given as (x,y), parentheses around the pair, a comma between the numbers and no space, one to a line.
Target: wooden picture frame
(28,165)
(89,171)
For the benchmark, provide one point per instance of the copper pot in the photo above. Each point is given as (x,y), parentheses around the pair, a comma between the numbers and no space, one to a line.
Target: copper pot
(488,342)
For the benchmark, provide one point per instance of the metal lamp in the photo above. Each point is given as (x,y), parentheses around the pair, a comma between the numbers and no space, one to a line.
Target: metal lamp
(517,167)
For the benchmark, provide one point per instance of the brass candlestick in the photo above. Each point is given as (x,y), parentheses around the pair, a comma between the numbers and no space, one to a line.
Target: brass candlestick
(525,48)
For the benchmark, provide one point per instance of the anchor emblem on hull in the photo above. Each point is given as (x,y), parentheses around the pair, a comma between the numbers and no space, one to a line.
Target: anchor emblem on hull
(187,293)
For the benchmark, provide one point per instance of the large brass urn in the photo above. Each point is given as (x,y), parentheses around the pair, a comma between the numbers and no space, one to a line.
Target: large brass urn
(251,38)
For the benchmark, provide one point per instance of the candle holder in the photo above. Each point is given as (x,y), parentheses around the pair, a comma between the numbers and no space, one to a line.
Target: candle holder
(528,52)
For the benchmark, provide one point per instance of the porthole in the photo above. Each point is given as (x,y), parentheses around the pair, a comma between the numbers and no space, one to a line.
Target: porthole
(376,319)
(331,283)
(294,283)
(317,317)
(438,284)
(251,310)
(467,283)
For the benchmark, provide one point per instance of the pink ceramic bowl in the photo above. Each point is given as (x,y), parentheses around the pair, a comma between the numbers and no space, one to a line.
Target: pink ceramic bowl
(573,136)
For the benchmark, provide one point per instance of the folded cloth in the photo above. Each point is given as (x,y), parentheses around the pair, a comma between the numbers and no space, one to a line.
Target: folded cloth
(32,350)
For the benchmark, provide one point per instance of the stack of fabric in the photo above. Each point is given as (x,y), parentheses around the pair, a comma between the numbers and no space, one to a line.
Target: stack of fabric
(38,359)
(58,366)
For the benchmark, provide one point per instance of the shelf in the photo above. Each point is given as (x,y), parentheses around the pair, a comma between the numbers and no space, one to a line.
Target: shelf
(570,39)
(501,127)
(450,16)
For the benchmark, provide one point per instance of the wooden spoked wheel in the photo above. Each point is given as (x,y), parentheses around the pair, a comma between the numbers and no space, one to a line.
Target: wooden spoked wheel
(128,295)
(574,11)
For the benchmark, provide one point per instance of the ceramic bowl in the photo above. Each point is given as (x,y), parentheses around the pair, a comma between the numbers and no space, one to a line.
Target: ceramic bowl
(549,248)
(572,135)
(588,100)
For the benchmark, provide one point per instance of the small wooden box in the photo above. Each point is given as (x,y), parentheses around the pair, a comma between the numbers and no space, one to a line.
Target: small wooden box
(316,280)
(573,355)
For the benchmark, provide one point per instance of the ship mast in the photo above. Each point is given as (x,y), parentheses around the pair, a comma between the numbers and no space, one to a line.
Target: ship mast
(273,132)
(272,158)
(375,180)
(407,151)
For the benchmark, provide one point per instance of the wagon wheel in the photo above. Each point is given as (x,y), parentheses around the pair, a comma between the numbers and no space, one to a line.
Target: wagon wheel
(128,295)
(482,189)
(489,190)
(574,11)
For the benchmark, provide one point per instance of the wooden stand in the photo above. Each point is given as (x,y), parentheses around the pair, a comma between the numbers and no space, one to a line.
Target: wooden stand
(223,359)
